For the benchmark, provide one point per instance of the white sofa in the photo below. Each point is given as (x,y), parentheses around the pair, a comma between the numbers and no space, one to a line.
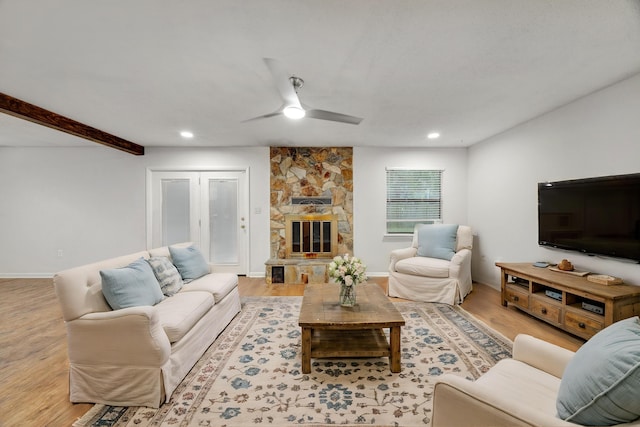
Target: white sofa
(521,391)
(136,356)
(427,279)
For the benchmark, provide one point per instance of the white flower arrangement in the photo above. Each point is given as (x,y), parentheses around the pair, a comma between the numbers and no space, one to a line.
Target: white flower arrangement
(347,270)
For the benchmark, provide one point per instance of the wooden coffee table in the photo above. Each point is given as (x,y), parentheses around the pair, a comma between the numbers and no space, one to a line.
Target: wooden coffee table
(330,330)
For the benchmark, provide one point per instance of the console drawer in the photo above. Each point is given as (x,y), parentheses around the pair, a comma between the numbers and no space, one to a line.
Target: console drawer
(545,310)
(518,298)
(581,325)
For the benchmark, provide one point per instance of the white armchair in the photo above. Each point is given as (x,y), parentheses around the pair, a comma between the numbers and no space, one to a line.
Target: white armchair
(422,278)
(521,391)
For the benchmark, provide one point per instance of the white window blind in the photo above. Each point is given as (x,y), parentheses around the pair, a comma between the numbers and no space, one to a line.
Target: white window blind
(413,196)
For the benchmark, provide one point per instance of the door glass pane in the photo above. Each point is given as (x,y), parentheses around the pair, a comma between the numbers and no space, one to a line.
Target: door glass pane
(223,221)
(175,211)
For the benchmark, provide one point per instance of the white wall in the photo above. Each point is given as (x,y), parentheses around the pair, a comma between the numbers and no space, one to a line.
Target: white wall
(89,203)
(597,135)
(370,195)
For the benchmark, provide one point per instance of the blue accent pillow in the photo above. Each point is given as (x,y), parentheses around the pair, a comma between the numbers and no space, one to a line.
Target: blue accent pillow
(189,262)
(167,274)
(437,240)
(601,384)
(131,286)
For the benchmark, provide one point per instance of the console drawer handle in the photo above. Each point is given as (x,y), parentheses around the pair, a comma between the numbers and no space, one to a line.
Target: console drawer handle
(516,298)
(544,311)
(581,325)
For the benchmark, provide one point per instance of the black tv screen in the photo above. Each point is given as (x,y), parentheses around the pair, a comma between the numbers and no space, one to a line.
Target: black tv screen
(595,216)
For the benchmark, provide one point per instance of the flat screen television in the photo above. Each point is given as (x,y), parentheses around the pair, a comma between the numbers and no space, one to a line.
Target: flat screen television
(595,216)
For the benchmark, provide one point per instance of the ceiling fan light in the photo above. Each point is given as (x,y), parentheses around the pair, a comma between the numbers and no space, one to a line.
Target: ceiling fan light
(294,112)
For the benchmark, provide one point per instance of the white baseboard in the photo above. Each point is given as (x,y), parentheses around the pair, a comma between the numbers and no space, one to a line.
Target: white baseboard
(26,275)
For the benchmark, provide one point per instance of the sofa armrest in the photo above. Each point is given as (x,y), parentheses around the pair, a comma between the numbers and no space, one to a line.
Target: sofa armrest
(130,336)
(542,355)
(461,262)
(400,254)
(460,402)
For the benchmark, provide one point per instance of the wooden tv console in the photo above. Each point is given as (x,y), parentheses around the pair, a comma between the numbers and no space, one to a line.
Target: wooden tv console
(529,288)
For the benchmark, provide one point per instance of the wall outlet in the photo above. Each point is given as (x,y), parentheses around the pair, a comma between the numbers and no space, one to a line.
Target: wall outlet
(60,253)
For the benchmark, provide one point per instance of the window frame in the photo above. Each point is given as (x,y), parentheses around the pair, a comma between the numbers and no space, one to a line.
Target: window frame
(426,203)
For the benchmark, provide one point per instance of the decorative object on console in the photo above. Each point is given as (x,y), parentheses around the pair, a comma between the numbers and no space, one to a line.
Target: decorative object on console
(604,279)
(348,271)
(565,265)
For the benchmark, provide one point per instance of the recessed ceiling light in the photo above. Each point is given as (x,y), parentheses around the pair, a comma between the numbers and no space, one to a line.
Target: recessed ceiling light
(433,135)
(186,134)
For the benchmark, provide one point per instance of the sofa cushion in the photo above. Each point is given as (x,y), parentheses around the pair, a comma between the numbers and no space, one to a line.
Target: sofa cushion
(422,266)
(167,274)
(131,286)
(437,240)
(180,312)
(217,284)
(601,384)
(189,262)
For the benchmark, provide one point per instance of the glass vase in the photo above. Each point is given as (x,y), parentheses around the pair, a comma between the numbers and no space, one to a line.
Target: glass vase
(347,295)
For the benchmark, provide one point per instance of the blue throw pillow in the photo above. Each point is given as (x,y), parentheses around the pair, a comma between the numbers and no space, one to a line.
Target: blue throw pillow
(437,240)
(189,262)
(601,384)
(131,286)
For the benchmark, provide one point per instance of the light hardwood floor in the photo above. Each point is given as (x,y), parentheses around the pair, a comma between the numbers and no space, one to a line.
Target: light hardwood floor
(33,355)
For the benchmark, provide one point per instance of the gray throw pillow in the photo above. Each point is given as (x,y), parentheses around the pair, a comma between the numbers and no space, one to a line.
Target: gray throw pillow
(167,274)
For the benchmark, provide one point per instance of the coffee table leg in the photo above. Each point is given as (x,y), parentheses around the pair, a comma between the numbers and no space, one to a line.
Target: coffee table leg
(306,350)
(394,350)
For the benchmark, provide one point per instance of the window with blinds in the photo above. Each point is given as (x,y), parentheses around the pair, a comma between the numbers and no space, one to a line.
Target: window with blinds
(413,196)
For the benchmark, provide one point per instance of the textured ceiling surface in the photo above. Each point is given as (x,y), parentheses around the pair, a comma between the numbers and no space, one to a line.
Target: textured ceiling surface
(145,69)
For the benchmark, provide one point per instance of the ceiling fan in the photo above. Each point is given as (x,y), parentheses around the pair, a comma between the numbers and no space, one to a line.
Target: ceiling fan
(292,107)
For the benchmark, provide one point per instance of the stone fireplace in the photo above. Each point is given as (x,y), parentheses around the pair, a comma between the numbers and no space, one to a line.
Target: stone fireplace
(311,212)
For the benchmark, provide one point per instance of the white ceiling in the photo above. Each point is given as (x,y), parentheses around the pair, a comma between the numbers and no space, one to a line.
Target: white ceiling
(145,69)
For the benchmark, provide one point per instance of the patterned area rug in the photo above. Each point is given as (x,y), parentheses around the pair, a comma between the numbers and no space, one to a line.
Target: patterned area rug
(252,373)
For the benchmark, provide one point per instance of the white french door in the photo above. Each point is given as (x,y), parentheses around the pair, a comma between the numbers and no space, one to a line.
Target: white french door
(209,208)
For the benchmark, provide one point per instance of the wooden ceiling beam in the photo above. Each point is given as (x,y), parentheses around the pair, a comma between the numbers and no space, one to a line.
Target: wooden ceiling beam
(35,114)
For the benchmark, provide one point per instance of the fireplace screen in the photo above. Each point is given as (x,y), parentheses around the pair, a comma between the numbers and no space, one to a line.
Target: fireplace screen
(311,237)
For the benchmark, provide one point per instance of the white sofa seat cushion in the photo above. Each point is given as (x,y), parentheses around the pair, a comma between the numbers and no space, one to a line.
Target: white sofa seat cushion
(180,312)
(423,266)
(217,284)
(524,384)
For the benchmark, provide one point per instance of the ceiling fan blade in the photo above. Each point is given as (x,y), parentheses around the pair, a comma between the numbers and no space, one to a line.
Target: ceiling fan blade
(281,79)
(334,117)
(266,116)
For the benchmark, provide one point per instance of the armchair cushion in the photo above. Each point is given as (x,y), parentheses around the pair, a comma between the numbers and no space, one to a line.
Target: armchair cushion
(131,286)
(423,266)
(600,385)
(189,262)
(437,240)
